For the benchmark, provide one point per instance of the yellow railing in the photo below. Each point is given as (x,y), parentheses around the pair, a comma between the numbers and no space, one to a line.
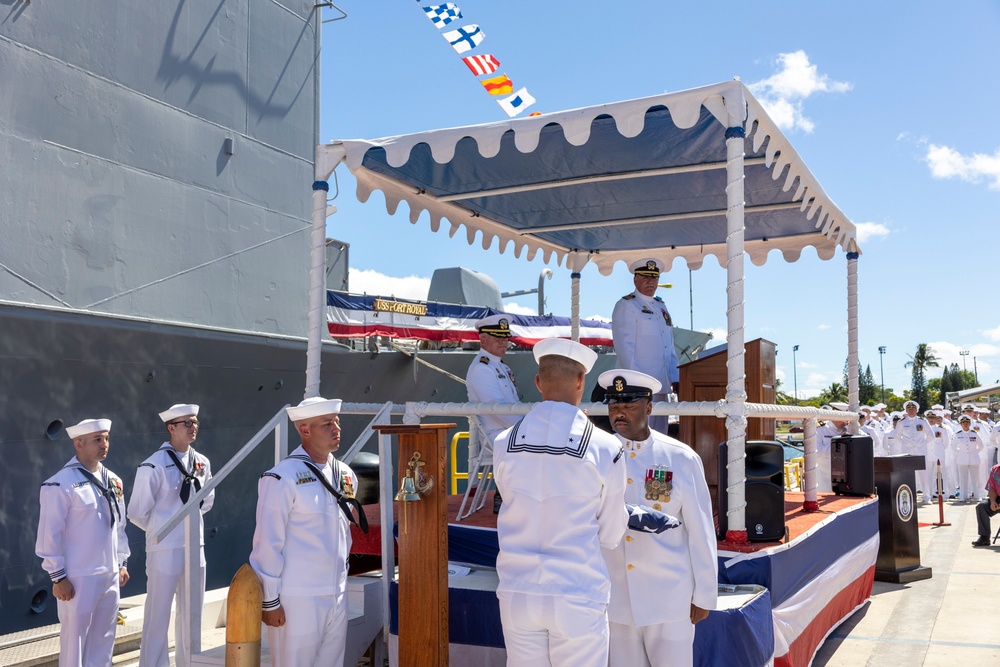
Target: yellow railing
(793,471)
(453,457)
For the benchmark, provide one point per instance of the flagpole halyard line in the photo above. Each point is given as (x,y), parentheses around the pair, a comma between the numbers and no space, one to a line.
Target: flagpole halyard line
(583,180)
(657,218)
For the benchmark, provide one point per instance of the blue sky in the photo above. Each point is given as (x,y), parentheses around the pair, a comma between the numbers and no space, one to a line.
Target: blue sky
(891,105)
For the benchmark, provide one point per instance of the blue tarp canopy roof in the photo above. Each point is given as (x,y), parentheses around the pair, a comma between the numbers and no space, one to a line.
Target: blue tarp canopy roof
(615,182)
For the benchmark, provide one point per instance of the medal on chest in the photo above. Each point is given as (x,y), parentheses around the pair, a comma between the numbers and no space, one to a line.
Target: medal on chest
(346,486)
(659,483)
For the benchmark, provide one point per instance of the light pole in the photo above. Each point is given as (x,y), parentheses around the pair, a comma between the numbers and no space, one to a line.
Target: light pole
(795,373)
(964,354)
(881,372)
(975,370)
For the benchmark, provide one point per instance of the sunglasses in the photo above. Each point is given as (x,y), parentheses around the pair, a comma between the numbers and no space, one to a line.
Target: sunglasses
(187,422)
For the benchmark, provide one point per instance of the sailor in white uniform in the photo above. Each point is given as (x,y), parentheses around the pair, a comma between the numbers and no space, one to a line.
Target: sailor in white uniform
(939,452)
(661,585)
(490,380)
(825,433)
(302,540)
(563,484)
(968,446)
(164,482)
(913,436)
(83,547)
(643,334)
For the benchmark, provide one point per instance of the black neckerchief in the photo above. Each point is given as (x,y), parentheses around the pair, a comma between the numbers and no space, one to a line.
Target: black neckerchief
(104,490)
(345,503)
(189,477)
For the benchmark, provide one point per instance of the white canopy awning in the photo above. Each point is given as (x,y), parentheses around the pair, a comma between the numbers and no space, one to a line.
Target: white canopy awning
(615,182)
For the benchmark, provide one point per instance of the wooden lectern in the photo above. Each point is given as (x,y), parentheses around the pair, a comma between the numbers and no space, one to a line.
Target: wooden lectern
(705,379)
(423,548)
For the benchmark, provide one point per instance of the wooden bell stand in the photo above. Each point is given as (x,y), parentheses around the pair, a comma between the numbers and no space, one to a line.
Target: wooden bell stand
(423,548)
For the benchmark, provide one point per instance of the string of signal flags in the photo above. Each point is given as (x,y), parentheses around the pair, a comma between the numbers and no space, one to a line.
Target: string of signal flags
(468,38)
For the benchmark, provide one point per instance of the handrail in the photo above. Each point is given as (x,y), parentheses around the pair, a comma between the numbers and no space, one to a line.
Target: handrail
(453,464)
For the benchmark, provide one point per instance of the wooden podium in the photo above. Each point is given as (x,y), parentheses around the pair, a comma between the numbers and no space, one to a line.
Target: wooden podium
(423,548)
(705,380)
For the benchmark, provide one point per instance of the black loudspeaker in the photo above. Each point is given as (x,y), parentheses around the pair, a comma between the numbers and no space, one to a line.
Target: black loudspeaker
(852,465)
(764,491)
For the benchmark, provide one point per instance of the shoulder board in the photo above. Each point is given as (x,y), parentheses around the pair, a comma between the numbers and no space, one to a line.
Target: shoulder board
(50,483)
(484,359)
(146,465)
(629,297)
(270,474)
(656,298)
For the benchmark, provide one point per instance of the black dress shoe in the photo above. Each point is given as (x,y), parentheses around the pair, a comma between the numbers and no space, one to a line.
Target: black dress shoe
(982,542)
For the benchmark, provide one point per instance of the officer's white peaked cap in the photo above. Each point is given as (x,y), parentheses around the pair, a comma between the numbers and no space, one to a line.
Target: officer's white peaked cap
(630,379)
(909,403)
(646,267)
(88,426)
(314,407)
(179,410)
(566,348)
(840,406)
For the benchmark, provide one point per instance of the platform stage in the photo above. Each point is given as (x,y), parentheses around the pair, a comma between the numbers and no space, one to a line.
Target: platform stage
(808,585)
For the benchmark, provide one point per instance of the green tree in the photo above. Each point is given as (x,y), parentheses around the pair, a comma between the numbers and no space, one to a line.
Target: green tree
(868,390)
(780,397)
(835,393)
(922,359)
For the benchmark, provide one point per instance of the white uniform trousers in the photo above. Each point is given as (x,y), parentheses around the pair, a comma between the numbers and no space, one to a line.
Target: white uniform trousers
(314,633)
(164,580)
(968,481)
(659,645)
(87,622)
(553,631)
(823,472)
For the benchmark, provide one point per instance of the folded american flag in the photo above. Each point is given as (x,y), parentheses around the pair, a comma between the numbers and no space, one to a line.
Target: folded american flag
(644,519)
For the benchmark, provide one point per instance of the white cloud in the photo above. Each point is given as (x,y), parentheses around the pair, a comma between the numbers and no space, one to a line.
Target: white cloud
(992,334)
(784,93)
(823,327)
(946,162)
(807,365)
(871,230)
(518,309)
(718,336)
(367,281)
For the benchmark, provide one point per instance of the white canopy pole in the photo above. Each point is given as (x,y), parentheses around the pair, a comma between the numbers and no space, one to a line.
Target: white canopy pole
(575,261)
(327,157)
(852,339)
(736,396)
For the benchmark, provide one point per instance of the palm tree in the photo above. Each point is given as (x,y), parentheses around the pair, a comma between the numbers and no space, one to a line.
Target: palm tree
(921,360)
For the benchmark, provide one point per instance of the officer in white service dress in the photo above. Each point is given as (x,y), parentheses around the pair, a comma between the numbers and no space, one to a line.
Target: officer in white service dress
(825,433)
(661,585)
(563,484)
(302,541)
(83,547)
(490,380)
(643,333)
(913,436)
(164,482)
(968,446)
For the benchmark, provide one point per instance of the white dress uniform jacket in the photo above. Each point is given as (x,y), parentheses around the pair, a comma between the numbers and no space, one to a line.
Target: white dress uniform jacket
(155,498)
(643,335)
(76,539)
(156,494)
(563,485)
(913,436)
(300,550)
(490,380)
(967,446)
(824,434)
(656,578)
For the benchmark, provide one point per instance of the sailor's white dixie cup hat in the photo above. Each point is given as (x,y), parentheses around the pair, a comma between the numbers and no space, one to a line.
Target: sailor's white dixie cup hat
(314,407)
(626,385)
(646,267)
(88,426)
(179,410)
(495,325)
(566,348)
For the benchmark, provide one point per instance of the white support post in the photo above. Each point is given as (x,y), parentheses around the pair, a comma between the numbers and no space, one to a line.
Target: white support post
(280,441)
(192,582)
(852,340)
(575,262)
(736,396)
(812,461)
(327,158)
(386,482)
